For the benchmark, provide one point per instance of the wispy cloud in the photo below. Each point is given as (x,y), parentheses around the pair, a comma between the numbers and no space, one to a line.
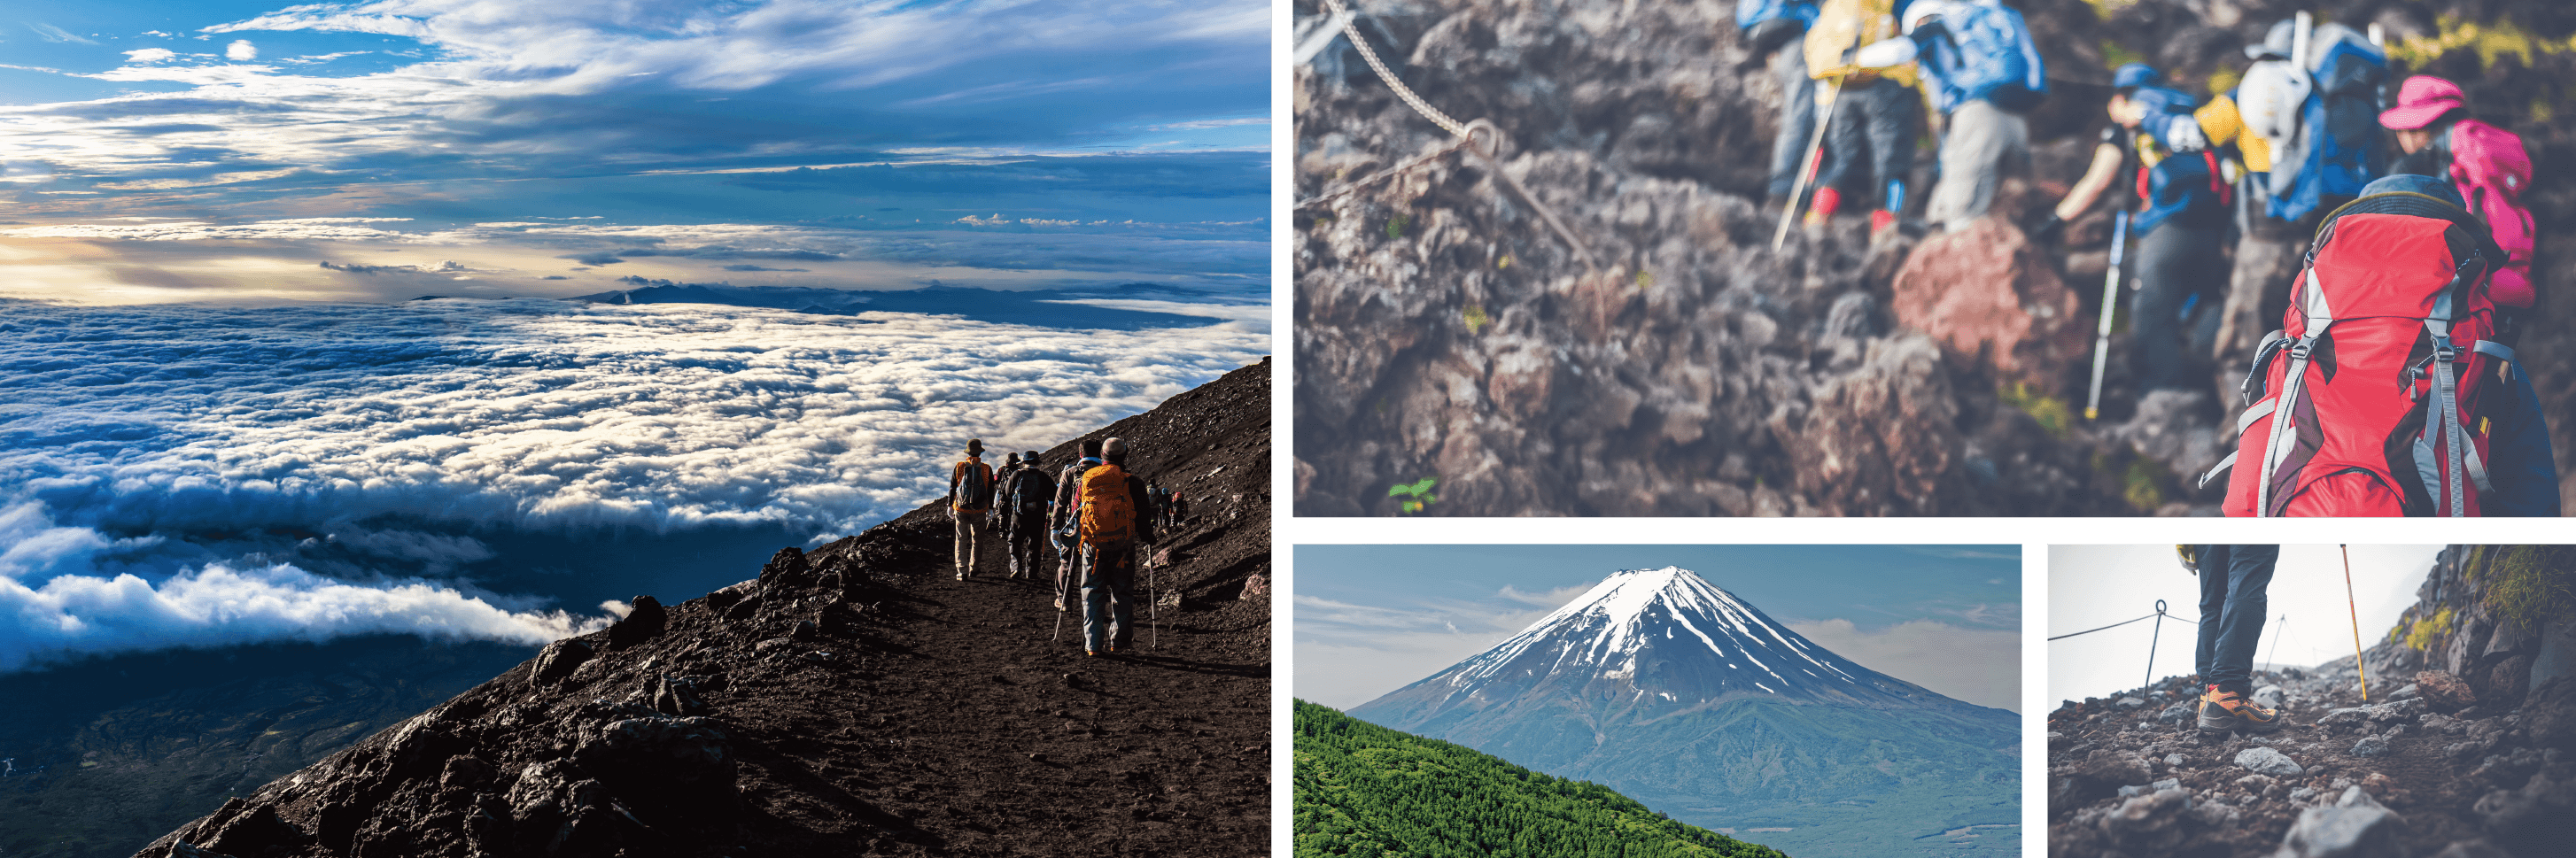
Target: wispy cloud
(1980,666)
(51,33)
(1955,553)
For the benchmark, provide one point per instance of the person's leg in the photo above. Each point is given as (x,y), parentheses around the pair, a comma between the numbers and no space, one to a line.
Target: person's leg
(965,543)
(1122,601)
(2213,603)
(1892,108)
(1846,138)
(1797,118)
(1983,139)
(2172,261)
(1095,601)
(2249,576)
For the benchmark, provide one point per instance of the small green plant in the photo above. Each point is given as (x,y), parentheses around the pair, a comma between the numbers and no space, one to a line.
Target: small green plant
(1505,262)
(1645,278)
(1475,318)
(2429,628)
(2140,486)
(2531,585)
(1416,495)
(1395,227)
(2054,415)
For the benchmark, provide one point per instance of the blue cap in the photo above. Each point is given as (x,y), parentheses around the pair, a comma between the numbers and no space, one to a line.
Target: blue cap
(2136,74)
(2426,185)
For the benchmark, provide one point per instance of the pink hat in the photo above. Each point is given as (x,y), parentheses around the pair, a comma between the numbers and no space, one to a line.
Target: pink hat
(2421,100)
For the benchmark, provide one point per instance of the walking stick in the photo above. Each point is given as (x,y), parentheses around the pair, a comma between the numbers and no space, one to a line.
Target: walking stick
(2110,305)
(1807,170)
(2277,632)
(2356,624)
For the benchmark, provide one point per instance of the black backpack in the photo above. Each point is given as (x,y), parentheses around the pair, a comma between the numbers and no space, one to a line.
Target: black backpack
(1031,491)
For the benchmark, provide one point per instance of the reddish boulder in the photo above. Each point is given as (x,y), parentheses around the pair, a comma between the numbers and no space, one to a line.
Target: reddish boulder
(2444,690)
(1986,295)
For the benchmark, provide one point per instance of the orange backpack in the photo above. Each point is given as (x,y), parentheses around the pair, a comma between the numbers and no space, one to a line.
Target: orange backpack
(1108,514)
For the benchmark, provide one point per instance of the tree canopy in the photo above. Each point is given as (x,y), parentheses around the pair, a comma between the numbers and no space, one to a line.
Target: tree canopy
(1370,792)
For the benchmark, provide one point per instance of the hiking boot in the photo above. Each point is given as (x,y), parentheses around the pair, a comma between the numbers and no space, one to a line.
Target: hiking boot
(2229,711)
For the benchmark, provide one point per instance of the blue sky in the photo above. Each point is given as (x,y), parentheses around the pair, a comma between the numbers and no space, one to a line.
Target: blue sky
(2096,585)
(1371,618)
(220,151)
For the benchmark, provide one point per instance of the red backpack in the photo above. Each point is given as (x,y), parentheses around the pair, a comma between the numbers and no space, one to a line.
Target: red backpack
(2491,169)
(2376,379)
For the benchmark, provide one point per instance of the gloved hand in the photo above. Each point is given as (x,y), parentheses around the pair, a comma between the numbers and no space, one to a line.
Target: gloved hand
(2183,134)
(2049,231)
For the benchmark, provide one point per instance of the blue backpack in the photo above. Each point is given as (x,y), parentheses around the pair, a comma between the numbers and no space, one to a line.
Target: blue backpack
(1751,12)
(1986,53)
(2341,118)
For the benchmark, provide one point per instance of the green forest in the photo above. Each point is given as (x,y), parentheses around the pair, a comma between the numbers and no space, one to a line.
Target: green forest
(1367,791)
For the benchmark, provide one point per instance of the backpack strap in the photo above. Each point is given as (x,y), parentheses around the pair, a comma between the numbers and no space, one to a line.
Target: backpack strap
(2320,316)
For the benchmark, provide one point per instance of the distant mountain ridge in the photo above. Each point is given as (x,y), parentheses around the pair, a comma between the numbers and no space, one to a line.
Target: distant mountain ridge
(1044,307)
(1667,688)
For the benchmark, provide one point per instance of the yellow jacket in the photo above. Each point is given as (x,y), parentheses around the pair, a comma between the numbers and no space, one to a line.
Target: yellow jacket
(1845,26)
(2220,122)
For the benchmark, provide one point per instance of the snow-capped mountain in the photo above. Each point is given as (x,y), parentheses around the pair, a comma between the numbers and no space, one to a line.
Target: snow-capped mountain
(1669,635)
(1663,686)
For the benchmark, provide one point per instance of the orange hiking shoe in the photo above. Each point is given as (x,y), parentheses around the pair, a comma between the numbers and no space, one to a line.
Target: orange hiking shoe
(2229,711)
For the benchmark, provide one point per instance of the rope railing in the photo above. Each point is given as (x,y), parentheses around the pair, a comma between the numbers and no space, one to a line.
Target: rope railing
(2159,616)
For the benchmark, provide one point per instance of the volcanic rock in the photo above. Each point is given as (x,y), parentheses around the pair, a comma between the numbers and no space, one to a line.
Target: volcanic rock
(560,659)
(1988,298)
(2445,690)
(2354,827)
(2268,761)
(642,622)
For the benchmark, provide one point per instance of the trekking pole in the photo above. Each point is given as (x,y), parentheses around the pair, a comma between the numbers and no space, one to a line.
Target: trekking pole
(2356,624)
(2110,304)
(1807,170)
(2277,632)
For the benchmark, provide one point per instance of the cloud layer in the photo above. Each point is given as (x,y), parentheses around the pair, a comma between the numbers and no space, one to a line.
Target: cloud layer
(44,617)
(126,430)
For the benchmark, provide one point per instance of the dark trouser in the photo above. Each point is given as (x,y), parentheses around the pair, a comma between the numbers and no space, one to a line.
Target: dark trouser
(1797,117)
(2519,456)
(2233,581)
(2174,263)
(1108,592)
(1877,118)
(1028,541)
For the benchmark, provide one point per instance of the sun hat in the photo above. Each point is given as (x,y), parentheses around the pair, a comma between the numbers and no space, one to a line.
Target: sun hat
(2421,100)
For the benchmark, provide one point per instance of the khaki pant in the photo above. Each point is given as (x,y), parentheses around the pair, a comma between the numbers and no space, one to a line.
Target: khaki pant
(1983,143)
(968,522)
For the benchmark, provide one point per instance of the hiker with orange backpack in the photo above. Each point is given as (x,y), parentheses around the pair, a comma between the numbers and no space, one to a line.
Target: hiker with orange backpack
(2395,289)
(1111,520)
(970,494)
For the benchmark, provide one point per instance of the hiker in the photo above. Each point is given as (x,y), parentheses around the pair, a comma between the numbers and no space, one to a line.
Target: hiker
(1001,488)
(1180,509)
(2460,433)
(2182,226)
(1027,495)
(1112,522)
(2487,165)
(2331,150)
(1767,27)
(1874,111)
(970,493)
(1977,61)
(1061,521)
(2233,584)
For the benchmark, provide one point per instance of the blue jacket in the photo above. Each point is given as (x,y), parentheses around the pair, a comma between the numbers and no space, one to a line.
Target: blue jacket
(2178,184)
(1984,54)
(1751,12)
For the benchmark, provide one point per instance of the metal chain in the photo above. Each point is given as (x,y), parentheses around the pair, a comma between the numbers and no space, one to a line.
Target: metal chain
(1401,91)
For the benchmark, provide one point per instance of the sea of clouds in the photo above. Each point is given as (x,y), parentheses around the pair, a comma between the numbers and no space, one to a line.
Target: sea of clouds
(137,442)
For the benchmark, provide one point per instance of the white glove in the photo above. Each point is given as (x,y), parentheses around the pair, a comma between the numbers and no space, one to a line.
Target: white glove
(2183,135)
(1886,54)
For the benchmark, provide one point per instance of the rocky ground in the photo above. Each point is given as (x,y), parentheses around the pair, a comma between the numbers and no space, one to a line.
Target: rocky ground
(854,699)
(1675,365)
(2466,749)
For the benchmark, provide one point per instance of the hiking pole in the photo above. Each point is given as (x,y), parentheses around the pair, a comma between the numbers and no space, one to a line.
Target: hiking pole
(2356,624)
(1807,170)
(2277,632)
(2110,303)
